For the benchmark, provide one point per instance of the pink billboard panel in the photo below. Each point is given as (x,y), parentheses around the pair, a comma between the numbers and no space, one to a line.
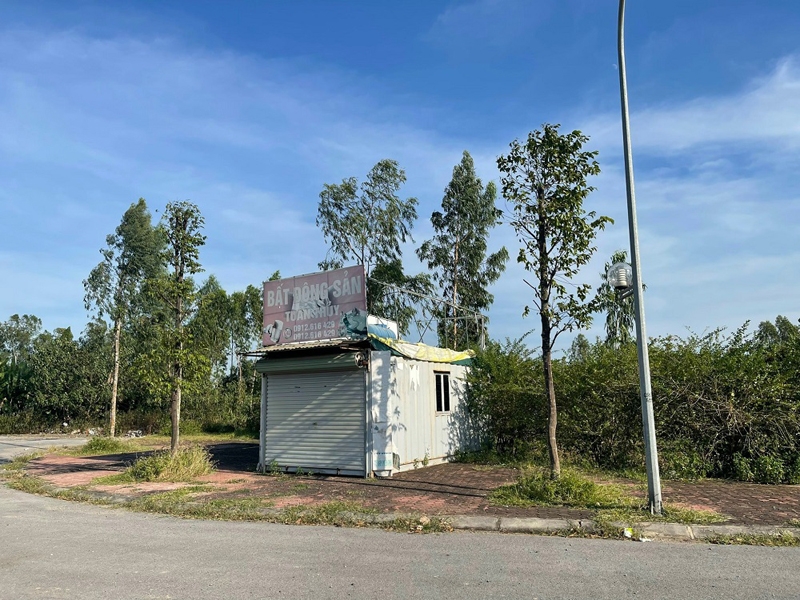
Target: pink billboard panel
(319,306)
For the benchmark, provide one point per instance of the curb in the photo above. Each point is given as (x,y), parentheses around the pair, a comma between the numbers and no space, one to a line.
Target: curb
(660,531)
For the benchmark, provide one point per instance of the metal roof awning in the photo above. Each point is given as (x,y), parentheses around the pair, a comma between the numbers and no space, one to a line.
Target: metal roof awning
(341,343)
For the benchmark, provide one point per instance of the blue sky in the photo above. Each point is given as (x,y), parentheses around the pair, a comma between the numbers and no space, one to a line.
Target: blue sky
(248,108)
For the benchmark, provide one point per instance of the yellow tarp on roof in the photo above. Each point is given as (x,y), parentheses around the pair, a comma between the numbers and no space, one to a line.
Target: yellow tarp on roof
(423,351)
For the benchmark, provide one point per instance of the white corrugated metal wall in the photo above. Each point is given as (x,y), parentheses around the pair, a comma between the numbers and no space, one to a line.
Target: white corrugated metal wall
(404,416)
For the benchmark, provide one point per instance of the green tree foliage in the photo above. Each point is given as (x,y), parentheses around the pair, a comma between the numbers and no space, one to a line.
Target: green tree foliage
(457,254)
(725,405)
(130,257)
(545,179)
(182,224)
(210,327)
(17,336)
(365,224)
(385,299)
(225,326)
(504,397)
(70,376)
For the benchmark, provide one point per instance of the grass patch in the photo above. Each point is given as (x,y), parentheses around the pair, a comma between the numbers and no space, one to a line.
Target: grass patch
(538,459)
(793,522)
(12,468)
(784,538)
(189,463)
(639,513)
(29,484)
(691,516)
(35,485)
(179,503)
(418,525)
(612,504)
(536,488)
(201,437)
(101,445)
(330,513)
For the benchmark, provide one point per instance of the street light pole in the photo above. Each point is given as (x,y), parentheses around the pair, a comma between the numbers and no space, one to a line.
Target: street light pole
(645,390)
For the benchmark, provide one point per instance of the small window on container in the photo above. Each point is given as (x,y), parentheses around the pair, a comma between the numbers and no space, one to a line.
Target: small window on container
(442,392)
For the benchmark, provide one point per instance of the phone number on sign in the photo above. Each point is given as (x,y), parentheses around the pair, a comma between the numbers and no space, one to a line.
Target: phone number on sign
(315,334)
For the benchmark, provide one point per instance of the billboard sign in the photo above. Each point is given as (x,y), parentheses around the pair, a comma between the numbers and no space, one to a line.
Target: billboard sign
(319,306)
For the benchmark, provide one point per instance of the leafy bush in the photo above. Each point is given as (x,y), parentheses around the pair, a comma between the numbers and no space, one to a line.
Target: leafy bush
(504,396)
(725,405)
(599,414)
(680,460)
(21,422)
(187,464)
(793,472)
(742,470)
(218,427)
(768,469)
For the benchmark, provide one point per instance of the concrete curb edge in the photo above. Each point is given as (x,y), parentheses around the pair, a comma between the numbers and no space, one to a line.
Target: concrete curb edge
(665,531)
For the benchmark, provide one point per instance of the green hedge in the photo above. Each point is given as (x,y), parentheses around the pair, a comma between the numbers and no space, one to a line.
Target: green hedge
(725,405)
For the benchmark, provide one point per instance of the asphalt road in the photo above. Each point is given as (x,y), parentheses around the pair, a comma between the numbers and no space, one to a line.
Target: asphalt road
(14,445)
(56,549)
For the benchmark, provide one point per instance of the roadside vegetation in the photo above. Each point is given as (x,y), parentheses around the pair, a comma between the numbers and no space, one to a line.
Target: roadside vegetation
(102,445)
(726,405)
(776,539)
(185,465)
(536,487)
(614,505)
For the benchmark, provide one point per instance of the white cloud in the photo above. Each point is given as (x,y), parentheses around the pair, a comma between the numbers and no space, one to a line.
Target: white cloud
(483,26)
(766,112)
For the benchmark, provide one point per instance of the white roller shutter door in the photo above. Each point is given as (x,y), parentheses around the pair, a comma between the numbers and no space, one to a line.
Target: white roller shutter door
(316,421)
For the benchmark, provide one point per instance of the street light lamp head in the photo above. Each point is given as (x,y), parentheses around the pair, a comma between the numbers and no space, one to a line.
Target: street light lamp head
(620,276)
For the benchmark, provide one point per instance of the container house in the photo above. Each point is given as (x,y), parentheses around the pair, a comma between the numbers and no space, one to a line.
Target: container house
(341,394)
(368,407)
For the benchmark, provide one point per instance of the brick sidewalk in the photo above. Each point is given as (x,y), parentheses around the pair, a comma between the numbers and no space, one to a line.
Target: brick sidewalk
(745,503)
(446,489)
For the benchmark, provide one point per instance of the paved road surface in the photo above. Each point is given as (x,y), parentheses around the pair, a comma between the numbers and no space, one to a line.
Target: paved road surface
(14,445)
(56,549)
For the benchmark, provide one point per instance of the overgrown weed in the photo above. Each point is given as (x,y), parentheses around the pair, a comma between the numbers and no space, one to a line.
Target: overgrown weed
(187,464)
(336,512)
(783,538)
(100,445)
(639,513)
(18,463)
(180,503)
(535,487)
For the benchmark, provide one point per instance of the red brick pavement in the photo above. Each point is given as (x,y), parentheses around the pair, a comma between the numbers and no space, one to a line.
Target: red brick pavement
(745,503)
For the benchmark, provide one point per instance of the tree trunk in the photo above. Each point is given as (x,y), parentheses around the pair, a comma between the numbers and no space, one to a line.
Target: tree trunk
(455,297)
(175,412)
(112,422)
(552,421)
(545,284)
